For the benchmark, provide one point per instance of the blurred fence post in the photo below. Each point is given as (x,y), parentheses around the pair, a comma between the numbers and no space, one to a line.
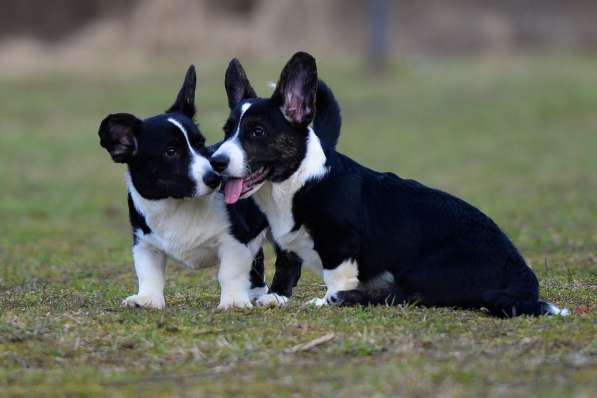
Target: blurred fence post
(377,51)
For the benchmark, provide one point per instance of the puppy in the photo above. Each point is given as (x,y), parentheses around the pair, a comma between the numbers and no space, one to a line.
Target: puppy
(375,237)
(175,210)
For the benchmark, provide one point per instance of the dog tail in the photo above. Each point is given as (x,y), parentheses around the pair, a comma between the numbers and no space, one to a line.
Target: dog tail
(521,297)
(504,304)
(328,120)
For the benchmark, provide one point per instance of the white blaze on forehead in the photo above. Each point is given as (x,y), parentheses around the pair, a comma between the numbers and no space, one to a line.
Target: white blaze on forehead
(199,164)
(233,149)
(184,132)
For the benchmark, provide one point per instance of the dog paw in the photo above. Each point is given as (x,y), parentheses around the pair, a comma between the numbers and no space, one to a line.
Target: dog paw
(257,292)
(145,301)
(228,302)
(318,302)
(271,300)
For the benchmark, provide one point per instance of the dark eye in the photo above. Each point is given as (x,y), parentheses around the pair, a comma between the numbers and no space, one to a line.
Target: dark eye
(257,132)
(170,152)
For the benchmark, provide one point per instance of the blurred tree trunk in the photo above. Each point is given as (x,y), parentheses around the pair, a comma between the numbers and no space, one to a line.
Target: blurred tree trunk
(377,51)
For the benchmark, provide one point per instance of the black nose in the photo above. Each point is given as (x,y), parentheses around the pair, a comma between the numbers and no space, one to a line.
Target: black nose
(219,162)
(212,180)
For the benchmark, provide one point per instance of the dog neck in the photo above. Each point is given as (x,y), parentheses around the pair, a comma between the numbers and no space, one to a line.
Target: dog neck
(275,198)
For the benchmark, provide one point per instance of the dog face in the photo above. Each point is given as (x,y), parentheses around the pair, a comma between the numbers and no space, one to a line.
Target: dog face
(265,138)
(165,154)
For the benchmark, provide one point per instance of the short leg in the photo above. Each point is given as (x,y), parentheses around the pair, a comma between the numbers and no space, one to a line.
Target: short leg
(287,274)
(343,277)
(387,296)
(236,260)
(150,264)
(257,277)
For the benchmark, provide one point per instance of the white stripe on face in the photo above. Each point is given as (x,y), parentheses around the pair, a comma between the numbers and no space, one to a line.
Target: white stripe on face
(233,150)
(199,166)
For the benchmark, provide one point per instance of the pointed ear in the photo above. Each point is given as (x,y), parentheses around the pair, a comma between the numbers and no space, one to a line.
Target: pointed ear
(185,100)
(296,89)
(118,135)
(237,85)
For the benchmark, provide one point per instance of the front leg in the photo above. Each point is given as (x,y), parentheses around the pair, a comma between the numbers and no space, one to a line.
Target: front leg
(150,264)
(257,276)
(343,277)
(234,275)
(287,274)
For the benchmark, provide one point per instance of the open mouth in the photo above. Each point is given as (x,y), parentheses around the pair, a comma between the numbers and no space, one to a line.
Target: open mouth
(234,187)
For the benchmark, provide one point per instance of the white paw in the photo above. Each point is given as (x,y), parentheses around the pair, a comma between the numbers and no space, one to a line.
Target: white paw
(145,301)
(227,302)
(272,300)
(257,292)
(564,312)
(318,302)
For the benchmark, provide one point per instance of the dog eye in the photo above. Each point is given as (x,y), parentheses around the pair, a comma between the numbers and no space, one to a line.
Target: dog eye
(170,152)
(257,132)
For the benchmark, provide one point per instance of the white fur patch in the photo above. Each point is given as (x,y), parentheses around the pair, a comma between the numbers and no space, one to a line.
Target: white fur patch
(343,277)
(272,300)
(554,310)
(257,292)
(199,164)
(233,150)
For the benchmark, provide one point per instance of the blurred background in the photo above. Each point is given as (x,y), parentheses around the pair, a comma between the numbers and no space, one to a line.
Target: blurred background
(37,34)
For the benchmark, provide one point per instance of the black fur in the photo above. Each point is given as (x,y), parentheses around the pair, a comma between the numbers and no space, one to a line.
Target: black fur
(288,272)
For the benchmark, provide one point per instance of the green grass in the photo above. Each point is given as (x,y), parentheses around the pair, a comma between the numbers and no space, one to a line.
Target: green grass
(517,138)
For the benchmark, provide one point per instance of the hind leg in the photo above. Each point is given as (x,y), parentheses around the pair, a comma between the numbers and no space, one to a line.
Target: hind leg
(343,277)
(389,296)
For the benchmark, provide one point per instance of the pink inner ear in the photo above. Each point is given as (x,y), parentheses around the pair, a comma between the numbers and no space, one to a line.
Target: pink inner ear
(295,107)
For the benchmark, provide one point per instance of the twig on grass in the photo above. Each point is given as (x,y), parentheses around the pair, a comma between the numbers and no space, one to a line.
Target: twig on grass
(310,344)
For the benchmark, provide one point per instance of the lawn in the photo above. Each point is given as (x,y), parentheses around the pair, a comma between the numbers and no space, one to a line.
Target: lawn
(515,137)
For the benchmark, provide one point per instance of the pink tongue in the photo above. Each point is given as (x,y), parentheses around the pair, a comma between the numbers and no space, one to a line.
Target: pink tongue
(232,190)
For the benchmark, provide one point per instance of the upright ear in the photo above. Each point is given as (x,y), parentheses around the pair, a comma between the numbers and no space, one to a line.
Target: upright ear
(237,85)
(118,135)
(296,89)
(185,100)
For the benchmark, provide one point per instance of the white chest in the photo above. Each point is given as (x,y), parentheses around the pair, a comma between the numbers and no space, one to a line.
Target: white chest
(189,231)
(276,202)
(191,253)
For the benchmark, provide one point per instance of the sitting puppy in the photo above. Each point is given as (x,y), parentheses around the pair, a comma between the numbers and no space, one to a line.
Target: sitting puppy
(377,238)
(174,211)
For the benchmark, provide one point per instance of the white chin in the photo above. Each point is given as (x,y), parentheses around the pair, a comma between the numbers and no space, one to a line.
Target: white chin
(252,190)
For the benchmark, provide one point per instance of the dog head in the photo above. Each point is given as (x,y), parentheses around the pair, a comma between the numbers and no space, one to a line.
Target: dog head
(266,138)
(165,154)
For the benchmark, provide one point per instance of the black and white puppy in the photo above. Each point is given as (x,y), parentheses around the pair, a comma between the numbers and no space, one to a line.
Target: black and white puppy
(175,210)
(377,238)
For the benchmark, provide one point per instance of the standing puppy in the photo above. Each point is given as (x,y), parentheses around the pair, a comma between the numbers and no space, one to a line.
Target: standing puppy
(377,238)
(174,210)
